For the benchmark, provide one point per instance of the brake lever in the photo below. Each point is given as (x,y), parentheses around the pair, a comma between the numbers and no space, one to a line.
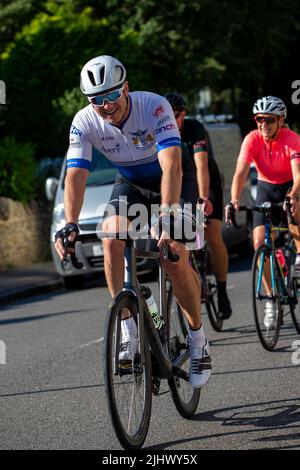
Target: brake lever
(167,253)
(231,219)
(70,257)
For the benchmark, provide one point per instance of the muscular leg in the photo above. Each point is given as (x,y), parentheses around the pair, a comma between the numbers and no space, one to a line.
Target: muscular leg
(114,254)
(219,258)
(258,239)
(217,249)
(185,284)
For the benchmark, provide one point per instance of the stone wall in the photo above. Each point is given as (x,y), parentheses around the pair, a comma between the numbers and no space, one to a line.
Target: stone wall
(24,233)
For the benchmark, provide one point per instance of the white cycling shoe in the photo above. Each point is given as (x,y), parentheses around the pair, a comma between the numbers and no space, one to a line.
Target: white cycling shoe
(129,342)
(270,313)
(200,364)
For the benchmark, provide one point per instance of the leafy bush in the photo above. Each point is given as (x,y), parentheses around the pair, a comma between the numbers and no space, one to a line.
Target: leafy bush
(17,170)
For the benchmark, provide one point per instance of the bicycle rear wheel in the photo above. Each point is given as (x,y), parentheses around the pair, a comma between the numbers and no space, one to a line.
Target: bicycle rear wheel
(211,307)
(128,388)
(185,397)
(267,332)
(293,287)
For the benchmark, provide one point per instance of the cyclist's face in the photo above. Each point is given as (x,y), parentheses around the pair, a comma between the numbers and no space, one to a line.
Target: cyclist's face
(268,125)
(117,111)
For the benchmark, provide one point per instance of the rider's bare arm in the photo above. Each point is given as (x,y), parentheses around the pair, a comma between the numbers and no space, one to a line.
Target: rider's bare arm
(239,180)
(170,162)
(201,163)
(75,183)
(295,191)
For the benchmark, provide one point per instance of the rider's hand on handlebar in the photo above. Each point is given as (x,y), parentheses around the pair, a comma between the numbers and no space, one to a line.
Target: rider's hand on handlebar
(294,204)
(207,206)
(70,231)
(230,208)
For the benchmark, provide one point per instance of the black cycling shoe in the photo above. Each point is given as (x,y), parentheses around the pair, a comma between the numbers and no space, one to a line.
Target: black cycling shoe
(225,310)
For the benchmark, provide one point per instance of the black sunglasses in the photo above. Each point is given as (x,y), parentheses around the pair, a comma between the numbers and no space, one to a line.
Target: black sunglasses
(267,120)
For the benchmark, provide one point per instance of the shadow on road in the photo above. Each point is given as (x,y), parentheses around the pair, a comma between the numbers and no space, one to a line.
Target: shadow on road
(260,417)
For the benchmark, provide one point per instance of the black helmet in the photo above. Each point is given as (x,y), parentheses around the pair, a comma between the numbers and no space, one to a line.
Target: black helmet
(176,101)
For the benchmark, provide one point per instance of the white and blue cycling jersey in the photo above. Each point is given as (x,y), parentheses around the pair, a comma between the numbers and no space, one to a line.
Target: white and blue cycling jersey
(132,147)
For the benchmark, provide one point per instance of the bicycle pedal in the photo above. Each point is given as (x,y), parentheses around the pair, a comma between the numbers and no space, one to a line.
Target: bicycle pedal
(125,369)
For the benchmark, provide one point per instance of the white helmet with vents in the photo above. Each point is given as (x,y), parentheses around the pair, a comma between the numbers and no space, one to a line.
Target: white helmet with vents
(270,105)
(101,75)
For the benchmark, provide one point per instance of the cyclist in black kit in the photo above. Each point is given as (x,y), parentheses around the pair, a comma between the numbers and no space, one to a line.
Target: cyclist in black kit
(197,146)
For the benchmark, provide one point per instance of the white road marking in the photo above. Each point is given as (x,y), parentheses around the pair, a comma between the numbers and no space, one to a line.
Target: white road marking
(91,343)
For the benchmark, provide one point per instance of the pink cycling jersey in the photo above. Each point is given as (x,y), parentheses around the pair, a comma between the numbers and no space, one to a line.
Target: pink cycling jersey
(272,159)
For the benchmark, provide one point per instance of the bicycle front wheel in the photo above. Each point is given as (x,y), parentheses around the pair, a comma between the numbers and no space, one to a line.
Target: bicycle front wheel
(267,328)
(185,397)
(128,386)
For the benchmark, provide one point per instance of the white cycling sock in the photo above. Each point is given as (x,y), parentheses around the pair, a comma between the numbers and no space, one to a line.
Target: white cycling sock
(198,337)
(128,327)
(297,259)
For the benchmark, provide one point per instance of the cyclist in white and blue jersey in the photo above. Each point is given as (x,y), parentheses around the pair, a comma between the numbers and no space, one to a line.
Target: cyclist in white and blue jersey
(137,132)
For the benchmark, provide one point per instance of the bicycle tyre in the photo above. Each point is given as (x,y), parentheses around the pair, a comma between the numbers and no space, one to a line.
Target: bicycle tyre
(267,336)
(139,376)
(211,308)
(185,398)
(293,289)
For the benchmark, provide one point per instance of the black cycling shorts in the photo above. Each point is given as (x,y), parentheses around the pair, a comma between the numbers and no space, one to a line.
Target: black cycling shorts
(130,200)
(269,192)
(216,197)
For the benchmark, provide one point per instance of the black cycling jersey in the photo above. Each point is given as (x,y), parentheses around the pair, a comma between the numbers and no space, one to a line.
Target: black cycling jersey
(195,138)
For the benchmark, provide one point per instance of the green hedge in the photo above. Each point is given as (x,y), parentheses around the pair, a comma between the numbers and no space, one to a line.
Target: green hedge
(17,170)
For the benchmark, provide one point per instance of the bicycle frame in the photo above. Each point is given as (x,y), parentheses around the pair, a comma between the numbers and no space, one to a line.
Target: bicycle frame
(165,368)
(269,242)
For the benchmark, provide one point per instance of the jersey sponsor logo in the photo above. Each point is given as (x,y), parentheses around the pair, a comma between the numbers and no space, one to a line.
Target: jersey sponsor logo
(159,111)
(200,143)
(164,119)
(142,139)
(75,131)
(75,145)
(75,142)
(168,127)
(107,138)
(115,149)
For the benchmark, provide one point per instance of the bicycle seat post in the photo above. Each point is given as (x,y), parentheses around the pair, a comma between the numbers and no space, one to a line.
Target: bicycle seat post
(130,271)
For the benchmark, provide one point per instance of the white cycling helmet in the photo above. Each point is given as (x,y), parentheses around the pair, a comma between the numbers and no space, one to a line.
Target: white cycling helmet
(102,74)
(270,105)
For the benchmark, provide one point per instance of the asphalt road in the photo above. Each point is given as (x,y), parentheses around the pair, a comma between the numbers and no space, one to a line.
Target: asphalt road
(52,393)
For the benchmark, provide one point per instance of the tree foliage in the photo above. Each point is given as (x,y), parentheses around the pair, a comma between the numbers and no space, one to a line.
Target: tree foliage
(44,62)
(240,49)
(17,169)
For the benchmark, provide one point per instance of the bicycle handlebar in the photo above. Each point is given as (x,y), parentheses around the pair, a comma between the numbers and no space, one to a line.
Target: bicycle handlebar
(167,253)
(263,207)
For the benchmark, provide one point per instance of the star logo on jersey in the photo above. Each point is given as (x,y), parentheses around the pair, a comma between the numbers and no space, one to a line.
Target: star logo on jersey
(159,111)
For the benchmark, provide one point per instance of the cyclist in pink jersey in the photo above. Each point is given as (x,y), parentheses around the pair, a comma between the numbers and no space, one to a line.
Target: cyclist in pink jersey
(275,152)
